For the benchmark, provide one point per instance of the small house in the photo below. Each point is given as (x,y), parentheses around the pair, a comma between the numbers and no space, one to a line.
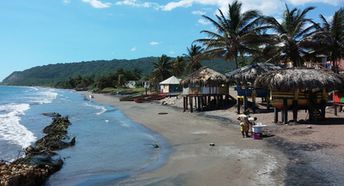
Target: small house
(170,85)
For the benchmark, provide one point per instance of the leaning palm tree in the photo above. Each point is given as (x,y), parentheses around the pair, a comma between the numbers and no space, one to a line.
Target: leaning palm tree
(291,33)
(193,57)
(161,69)
(178,66)
(236,34)
(330,37)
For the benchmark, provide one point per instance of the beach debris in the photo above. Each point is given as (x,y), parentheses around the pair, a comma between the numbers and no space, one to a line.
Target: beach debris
(155,145)
(40,160)
(309,127)
(162,113)
(212,144)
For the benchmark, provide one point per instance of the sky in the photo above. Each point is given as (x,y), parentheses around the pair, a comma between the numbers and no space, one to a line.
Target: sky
(41,32)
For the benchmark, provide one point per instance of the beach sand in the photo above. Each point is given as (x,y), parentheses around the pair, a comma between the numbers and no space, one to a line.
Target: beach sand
(295,154)
(232,161)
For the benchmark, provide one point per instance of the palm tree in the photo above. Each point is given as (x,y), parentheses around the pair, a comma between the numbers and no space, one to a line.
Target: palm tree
(330,37)
(236,34)
(162,69)
(178,66)
(194,57)
(291,33)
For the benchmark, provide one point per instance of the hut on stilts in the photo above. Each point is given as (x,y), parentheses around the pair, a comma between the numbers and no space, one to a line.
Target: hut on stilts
(244,78)
(205,89)
(299,88)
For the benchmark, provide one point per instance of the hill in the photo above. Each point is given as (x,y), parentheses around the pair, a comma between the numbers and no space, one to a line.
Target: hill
(49,75)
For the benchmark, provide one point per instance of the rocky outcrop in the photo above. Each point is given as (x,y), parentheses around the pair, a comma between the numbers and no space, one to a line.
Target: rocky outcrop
(40,160)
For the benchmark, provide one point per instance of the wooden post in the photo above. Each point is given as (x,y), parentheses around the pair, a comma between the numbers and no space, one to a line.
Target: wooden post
(191,107)
(285,108)
(295,111)
(276,115)
(186,102)
(239,104)
(268,99)
(254,100)
(335,109)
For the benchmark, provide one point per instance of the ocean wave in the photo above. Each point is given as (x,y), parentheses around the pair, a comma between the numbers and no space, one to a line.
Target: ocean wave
(10,128)
(101,109)
(42,96)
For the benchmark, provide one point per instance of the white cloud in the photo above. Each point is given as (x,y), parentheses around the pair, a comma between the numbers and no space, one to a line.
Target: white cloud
(154,43)
(97,3)
(171,52)
(66,2)
(198,12)
(133,49)
(269,7)
(300,2)
(203,22)
(135,3)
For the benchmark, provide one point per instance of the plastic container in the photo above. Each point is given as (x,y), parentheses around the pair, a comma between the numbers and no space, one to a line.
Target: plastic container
(257,136)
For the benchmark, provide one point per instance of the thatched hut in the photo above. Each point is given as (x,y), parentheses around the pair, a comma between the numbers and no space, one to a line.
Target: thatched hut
(208,87)
(299,89)
(244,78)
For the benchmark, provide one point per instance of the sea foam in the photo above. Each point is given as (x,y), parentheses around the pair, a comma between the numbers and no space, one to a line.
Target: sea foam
(101,109)
(10,128)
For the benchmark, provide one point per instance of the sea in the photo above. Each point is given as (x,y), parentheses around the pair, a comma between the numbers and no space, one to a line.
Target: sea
(109,146)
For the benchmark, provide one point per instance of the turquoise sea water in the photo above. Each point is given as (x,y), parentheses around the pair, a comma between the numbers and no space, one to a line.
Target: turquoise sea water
(109,145)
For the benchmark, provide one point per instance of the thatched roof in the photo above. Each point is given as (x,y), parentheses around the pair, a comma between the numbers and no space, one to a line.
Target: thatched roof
(205,75)
(249,73)
(298,78)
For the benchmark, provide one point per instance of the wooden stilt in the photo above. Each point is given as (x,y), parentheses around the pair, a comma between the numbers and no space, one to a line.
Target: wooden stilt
(295,111)
(239,105)
(184,107)
(191,107)
(335,110)
(254,101)
(276,115)
(285,108)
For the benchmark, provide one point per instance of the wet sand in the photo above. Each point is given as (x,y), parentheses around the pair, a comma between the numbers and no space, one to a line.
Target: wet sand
(232,161)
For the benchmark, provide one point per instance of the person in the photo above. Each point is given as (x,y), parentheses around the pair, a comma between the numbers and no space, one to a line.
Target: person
(244,126)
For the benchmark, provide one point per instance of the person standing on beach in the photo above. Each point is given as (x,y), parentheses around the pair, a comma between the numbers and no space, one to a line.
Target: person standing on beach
(244,126)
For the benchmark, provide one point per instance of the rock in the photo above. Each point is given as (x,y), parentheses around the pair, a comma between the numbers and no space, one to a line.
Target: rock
(309,127)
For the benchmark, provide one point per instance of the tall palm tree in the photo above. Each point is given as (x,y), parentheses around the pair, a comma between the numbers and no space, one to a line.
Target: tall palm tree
(291,33)
(162,68)
(178,66)
(194,57)
(330,37)
(236,34)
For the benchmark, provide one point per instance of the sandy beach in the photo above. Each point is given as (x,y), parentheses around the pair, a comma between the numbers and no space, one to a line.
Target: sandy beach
(299,154)
(232,161)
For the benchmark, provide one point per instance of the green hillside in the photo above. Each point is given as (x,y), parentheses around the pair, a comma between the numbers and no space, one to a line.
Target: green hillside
(49,75)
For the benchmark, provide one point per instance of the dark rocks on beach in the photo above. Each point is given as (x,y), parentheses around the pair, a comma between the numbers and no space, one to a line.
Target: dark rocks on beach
(51,114)
(40,160)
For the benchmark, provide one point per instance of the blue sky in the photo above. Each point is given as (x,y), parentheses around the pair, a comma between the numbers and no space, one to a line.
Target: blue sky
(40,32)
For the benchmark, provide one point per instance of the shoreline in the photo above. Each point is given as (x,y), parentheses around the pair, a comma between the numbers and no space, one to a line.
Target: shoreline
(192,161)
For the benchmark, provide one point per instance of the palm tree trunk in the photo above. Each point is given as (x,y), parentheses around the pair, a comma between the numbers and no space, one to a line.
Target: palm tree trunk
(236,62)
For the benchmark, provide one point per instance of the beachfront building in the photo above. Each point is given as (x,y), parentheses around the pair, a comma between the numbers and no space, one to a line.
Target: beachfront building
(299,88)
(205,89)
(244,78)
(170,85)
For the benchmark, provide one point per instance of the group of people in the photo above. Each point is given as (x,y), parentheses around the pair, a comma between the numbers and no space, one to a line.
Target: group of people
(246,123)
